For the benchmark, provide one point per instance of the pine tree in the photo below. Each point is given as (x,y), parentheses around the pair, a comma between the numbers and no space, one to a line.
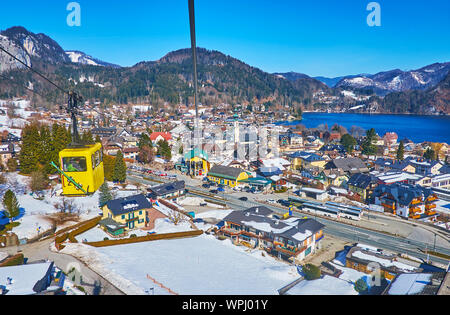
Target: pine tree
(348,142)
(105,194)
(144,141)
(87,138)
(120,168)
(108,165)
(12,165)
(60,139)
(361,286)
(164,150)
(368,148)
(429,154)
(97,139)
(45,149)
(11,205)
(401,151)
(29,152)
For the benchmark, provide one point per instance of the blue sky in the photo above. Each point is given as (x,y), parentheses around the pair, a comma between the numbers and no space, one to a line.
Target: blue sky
(316,37)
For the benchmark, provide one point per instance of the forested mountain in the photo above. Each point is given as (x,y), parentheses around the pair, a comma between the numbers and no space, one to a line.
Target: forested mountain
(432,101)
(222,79)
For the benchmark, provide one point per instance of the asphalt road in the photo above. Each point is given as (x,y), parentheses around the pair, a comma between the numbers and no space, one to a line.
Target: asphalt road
(341,230)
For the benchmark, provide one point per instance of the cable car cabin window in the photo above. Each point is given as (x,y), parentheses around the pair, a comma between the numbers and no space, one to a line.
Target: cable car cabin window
(98,158)
(74,164)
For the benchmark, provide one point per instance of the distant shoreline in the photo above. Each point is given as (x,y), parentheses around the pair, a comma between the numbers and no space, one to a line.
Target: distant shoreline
(378,113)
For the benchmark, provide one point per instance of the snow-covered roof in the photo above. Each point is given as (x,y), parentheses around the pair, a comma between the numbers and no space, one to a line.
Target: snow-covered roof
(24,277)
(410,284)
(383,262)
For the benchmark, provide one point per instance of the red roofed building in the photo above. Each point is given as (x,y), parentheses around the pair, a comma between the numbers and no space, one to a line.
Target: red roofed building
(390,139)
(160,136)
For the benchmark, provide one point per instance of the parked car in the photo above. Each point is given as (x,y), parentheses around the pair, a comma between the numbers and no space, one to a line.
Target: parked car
(284,203)
(206,185)
(271,201)
(214,191)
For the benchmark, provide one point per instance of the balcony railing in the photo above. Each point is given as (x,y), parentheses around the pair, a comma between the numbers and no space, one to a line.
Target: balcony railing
(230,231)
(415,210)
(390,206)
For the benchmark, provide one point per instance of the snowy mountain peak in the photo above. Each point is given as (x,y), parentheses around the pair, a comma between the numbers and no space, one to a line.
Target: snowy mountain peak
(398,81)
(84,59)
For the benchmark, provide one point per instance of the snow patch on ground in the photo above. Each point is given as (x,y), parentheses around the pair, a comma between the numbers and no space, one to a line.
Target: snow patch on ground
(163,226)
(325,286)
(196,201)
(97,262)
(214,214)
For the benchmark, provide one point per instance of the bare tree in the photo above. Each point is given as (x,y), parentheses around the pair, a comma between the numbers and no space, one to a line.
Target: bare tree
(66,206)
(176,217)
(38,181)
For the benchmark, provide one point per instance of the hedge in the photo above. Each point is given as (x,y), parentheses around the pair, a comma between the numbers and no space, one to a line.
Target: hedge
(147,238)
(16,260)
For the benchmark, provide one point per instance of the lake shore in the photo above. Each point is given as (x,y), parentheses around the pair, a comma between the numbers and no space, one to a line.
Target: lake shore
(417,128)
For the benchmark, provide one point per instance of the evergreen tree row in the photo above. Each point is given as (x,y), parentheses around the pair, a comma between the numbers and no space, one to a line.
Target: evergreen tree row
(40,146)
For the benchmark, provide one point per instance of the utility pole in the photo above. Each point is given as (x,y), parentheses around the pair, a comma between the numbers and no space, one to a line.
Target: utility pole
(194,61)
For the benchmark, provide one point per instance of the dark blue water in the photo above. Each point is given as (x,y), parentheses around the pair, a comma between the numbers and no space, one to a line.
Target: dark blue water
(416,128)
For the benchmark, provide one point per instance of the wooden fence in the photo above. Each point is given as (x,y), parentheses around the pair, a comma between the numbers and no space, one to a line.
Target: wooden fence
(147,238)
(79,229)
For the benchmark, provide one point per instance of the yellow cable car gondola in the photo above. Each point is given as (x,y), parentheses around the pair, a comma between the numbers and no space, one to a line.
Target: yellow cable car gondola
(82,171)
(84,166)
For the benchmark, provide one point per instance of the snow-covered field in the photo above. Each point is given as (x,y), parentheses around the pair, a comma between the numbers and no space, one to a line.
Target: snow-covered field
(200,266)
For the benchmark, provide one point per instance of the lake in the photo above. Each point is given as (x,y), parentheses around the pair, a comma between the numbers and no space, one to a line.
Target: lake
(414,127)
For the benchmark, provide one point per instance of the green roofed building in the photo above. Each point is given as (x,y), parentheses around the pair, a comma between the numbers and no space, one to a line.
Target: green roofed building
(197,162)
